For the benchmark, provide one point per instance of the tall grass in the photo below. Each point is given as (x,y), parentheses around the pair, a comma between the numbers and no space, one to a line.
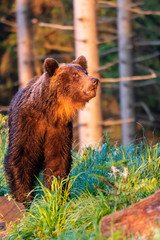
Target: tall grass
(54,216)
(3,149)
(102,180)
(125,174)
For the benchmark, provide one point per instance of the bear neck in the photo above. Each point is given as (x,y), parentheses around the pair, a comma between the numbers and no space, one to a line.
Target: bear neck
(66,109)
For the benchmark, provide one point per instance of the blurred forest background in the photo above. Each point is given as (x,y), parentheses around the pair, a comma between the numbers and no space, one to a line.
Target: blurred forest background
(48,39)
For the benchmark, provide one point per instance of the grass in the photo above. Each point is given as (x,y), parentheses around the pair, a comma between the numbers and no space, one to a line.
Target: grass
(3,149)
(102,181)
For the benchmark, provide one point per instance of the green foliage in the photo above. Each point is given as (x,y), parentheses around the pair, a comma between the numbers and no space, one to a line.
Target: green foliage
(3,147)
(113,71)
(47,216)
(59,44)
(146,29)
(102,180)
(103,187)
(124,174)
(55,217)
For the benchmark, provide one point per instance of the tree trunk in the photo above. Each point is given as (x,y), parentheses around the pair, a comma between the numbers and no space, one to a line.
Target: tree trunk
(90,130)
(126,70)
(25,54)
(140,219)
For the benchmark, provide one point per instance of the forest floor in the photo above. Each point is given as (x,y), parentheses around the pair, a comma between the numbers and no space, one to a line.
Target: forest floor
(103,180)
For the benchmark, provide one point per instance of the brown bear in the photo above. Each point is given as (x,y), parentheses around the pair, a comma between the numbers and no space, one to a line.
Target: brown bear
(40,124)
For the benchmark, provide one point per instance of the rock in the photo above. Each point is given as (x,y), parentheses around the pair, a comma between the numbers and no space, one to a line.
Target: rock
(140,219)
(11,210)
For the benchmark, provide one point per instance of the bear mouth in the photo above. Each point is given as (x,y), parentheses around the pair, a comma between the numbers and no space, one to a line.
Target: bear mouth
(91,92)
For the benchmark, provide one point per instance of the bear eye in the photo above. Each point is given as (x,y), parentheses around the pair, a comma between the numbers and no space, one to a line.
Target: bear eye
(75,74)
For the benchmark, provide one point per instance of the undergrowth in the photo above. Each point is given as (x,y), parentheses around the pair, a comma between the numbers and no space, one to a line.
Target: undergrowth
(102,180)
(3,149)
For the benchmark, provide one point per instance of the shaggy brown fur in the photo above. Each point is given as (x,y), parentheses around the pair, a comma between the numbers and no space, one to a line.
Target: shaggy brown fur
(40,124)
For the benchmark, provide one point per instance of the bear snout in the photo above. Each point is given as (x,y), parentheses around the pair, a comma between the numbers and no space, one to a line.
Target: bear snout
(95,81)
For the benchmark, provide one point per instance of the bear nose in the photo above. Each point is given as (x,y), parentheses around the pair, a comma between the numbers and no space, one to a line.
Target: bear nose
(95,81)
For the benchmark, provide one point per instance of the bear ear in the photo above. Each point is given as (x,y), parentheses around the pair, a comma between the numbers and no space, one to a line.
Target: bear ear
(50,66)
(82,61)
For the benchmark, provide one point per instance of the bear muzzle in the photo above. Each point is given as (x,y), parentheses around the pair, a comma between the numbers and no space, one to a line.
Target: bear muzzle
(95,81)
(91,91)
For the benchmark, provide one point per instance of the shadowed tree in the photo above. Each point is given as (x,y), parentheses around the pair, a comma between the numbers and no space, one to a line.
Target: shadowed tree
(127,102)
(25,54)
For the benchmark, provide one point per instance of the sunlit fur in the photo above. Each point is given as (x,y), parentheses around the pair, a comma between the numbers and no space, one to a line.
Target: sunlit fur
(40,125)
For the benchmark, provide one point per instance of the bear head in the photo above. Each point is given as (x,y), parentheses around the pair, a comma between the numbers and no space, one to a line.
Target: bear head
(71,82)
(72,79)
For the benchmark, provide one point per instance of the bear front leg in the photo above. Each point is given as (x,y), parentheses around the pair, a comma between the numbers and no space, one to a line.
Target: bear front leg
(21,180)
(56,167)
(21,169)
(57,162)
(57,152)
